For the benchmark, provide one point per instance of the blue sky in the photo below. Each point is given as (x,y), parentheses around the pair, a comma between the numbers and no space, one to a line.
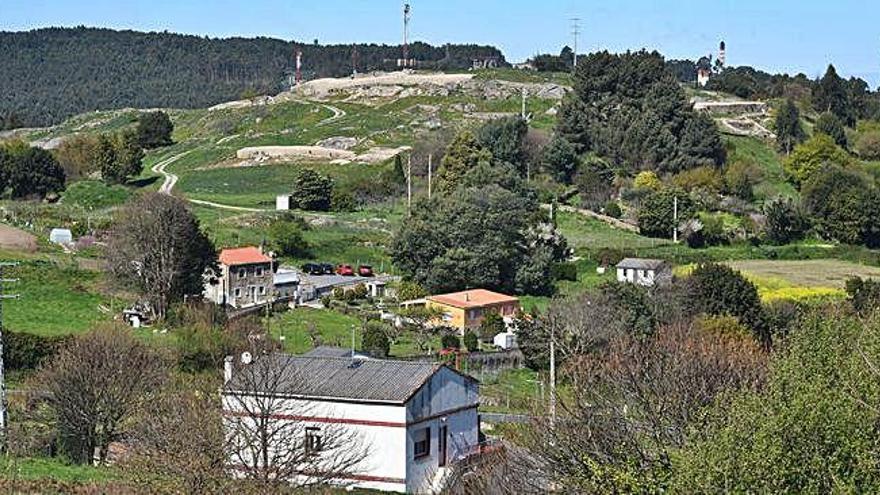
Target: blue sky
(781,35)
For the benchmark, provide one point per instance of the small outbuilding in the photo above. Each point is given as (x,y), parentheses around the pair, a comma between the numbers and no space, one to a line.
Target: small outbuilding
(61,236)
(644,271)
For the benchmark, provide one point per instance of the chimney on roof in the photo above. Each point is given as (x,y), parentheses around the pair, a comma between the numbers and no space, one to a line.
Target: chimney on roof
(227,369)
(467,296)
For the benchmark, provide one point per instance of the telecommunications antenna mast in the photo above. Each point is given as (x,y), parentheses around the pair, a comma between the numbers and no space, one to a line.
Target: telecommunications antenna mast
(407,13)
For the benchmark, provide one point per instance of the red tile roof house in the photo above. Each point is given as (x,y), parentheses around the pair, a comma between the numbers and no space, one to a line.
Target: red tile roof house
(245,278)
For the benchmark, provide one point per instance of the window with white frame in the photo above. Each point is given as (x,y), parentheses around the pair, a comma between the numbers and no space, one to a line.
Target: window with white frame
(242,273)
(258,271)
(262,290)
(237,292)
(422,442)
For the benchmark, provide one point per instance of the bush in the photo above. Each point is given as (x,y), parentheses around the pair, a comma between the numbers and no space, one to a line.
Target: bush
(612,209)
(565,270)
(808,157)
(26,351)
(719,290)
(342,201)
(408,291)
(471,341)
(450,341)
(647,180)
(706,178)
(286,237)
(375,339)
(868,145)
(492,325)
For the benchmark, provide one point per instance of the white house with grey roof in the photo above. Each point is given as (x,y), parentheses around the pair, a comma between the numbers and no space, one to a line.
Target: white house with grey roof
(416,419)
(643,271)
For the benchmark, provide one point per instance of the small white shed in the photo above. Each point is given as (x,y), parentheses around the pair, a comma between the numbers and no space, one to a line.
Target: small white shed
(505,340)
(282,202)
(61,236)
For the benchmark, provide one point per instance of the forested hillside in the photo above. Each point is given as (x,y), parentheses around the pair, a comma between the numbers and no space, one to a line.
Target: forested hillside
(51,74)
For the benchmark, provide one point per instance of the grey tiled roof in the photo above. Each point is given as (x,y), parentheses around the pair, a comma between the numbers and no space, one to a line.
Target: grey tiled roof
(641,263)
(369,380)
(329,351)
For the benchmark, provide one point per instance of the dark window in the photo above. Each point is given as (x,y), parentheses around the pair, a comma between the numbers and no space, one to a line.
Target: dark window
(422,442)
(314,442)
(241,273)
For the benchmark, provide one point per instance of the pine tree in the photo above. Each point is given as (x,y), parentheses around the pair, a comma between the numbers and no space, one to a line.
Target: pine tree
(789,131)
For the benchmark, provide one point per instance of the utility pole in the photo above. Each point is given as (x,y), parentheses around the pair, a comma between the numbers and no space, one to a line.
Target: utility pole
(675,219)
(407,13)
(552,375)
(430,171)
(524,103)
(575,31)
(409,185)
(4,296)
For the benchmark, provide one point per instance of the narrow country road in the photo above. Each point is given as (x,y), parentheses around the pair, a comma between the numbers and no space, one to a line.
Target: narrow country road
(170,179)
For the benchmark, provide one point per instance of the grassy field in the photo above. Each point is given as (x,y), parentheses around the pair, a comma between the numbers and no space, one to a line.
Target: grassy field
(333,327)
(53,469)
(585,232)
(55,299)
(758,153)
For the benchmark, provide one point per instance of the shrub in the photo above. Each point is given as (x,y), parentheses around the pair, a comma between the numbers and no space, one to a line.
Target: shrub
(612,209)
(408,291)
(471,341)
(450,341)
(492,325)
(287,238)
(26,351)
(360,291)
(706,178)
(565,270)
(808,157)
(375,339)
(154,130)
(656,214)
(342,201)
(647,180)
(868,145)
(832,127)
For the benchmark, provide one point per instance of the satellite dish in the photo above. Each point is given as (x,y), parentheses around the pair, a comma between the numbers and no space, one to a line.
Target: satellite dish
(246,358)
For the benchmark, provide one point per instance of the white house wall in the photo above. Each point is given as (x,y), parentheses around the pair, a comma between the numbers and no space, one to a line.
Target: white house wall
(381,429)
(451,400)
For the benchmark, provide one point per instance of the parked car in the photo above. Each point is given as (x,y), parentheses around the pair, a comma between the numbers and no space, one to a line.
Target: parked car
(345,270)
(365,271)
(313,269)
(327,269)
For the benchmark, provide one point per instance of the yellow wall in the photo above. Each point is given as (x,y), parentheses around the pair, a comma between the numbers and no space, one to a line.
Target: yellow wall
(458,317)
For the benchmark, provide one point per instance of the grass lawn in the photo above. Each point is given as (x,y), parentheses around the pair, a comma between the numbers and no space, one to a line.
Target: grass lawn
(55,299)
(333,327)
(33,468)
(513,391)
(585,232)
(257,186)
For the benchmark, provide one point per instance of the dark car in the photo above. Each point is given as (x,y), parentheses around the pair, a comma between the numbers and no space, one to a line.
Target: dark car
(327,269)
(345,270)
(312,269)
(365,271)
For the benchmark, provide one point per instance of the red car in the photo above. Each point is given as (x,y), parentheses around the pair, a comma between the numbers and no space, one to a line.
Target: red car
(365,271)
(345,270)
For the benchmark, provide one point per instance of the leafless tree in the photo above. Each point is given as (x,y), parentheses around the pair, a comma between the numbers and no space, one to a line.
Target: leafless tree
(633,402)
(179,439)
(156,246)
(95,384)
(270,439)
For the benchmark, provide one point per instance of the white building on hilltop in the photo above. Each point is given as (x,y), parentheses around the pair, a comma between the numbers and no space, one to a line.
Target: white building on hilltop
(412,420)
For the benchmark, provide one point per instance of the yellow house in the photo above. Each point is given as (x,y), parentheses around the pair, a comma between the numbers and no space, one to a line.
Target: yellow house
(465,310)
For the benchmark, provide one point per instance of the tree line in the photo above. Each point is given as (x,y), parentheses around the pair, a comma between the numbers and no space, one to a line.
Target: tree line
(51,74)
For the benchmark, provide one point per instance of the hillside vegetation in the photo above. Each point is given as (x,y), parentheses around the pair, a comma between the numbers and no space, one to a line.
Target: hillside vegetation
(51,74)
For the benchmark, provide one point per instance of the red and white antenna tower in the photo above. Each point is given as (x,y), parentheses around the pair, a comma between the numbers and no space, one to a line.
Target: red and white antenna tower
(722,53)
(407,13)
(299,76)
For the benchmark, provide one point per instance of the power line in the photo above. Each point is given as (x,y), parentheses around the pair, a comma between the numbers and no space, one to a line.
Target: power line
(4,296)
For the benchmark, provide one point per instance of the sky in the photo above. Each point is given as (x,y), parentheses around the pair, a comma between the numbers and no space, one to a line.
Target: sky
(775,35)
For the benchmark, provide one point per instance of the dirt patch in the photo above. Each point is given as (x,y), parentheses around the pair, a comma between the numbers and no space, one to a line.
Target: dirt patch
(16,239)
